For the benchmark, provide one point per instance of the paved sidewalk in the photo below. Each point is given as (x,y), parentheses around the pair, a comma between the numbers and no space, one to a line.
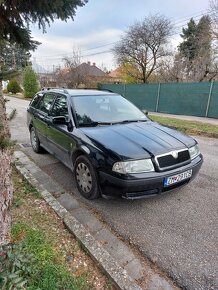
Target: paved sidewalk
(187,118)
(116,258)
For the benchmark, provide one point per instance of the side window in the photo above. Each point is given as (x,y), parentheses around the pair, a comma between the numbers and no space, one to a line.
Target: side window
(46,102)
(60,107)
(36,100)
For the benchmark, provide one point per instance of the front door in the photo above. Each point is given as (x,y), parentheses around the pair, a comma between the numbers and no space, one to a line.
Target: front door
(58,136)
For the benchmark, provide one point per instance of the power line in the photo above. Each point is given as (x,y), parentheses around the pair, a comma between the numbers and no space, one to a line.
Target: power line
(112,43)
(60,56)
(195,15)
(92,48)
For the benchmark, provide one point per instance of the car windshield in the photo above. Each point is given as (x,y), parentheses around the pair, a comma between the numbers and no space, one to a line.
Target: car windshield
(105,110)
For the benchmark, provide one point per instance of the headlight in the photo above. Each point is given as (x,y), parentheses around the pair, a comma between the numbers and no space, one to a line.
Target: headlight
(194,151)
(137,166)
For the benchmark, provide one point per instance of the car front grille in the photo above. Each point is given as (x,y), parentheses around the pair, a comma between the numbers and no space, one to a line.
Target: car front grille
(173,159)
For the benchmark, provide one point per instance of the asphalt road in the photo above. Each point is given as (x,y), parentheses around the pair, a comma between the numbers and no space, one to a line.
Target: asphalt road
(177,231)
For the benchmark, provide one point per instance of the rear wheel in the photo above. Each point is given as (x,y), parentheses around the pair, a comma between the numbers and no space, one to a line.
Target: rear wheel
(86,179)
(35,141)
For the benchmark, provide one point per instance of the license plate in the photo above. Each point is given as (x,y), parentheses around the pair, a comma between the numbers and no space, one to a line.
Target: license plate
(177,178)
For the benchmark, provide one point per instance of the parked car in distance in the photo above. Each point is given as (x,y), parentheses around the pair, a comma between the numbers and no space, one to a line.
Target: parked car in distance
(112,147)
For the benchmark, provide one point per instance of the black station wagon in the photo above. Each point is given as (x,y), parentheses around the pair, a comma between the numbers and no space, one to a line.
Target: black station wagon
(112,147)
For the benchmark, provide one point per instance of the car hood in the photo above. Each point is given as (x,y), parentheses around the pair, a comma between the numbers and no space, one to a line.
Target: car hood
(137,140)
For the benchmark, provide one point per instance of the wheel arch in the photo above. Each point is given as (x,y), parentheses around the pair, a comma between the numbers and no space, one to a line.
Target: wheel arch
(30,126)
(76,154)
(83,150)
(95,190)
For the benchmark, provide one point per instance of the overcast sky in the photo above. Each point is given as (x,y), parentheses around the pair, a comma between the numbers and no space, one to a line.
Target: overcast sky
(100,23)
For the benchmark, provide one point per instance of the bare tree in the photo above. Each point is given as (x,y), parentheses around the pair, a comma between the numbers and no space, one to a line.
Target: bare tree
(74,73)
(143,45)
(214,16)
(214,26)
(172,69)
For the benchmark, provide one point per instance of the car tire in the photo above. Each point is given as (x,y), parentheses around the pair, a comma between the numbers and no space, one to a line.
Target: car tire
(86,178)
(35,143)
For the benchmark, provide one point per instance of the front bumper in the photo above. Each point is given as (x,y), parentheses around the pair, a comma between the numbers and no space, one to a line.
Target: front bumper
(146,185)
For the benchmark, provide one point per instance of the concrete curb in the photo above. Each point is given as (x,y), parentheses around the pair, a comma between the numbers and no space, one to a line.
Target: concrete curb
(116,267)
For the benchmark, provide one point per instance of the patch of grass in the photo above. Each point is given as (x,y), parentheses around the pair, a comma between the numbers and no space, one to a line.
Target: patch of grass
(23,189)
(188,127)
(35,242)
(109,285)
(17,201)
(48,271)
(18,95)
(6,143)
(56,277)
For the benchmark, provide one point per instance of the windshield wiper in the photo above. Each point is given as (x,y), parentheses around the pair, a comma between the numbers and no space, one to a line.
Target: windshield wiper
(130,121)
(98,123)
(94,124)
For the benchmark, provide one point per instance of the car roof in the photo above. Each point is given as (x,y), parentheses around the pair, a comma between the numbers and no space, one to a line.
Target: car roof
(79,92)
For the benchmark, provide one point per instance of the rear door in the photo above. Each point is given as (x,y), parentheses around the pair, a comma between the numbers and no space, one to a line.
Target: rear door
(41,117)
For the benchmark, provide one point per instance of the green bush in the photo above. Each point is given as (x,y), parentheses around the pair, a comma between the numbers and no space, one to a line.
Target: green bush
(13,87)
(30,83)
(15,266)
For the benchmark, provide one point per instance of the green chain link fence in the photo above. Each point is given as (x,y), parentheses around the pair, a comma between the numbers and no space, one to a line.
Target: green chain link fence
(194,99)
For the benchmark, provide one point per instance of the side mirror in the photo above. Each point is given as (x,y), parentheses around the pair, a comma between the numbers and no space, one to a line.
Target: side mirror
(70,126)
(145,112)
(60,120)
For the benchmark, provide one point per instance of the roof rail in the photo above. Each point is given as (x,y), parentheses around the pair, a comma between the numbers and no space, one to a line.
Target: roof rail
(107,90)
(55,88)
(95,89)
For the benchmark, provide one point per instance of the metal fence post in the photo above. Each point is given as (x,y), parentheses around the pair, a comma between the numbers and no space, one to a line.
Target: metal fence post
(158,97)
(124,90)
(209,97)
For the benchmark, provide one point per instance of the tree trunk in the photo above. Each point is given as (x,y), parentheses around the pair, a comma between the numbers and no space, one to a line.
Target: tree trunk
(6,188)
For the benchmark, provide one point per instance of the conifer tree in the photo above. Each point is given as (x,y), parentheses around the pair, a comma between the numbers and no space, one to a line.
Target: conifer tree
(196,49)
(189,45)
(30,83)
(15,18)
(14,56)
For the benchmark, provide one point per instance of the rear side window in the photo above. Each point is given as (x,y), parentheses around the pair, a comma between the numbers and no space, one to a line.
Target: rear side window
(46,102)
(35,100)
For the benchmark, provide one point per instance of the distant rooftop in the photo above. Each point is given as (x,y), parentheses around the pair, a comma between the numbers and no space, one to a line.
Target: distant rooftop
(91,69)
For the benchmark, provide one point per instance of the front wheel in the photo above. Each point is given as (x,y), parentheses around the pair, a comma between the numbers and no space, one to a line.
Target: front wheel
(35,141)
(86,179)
